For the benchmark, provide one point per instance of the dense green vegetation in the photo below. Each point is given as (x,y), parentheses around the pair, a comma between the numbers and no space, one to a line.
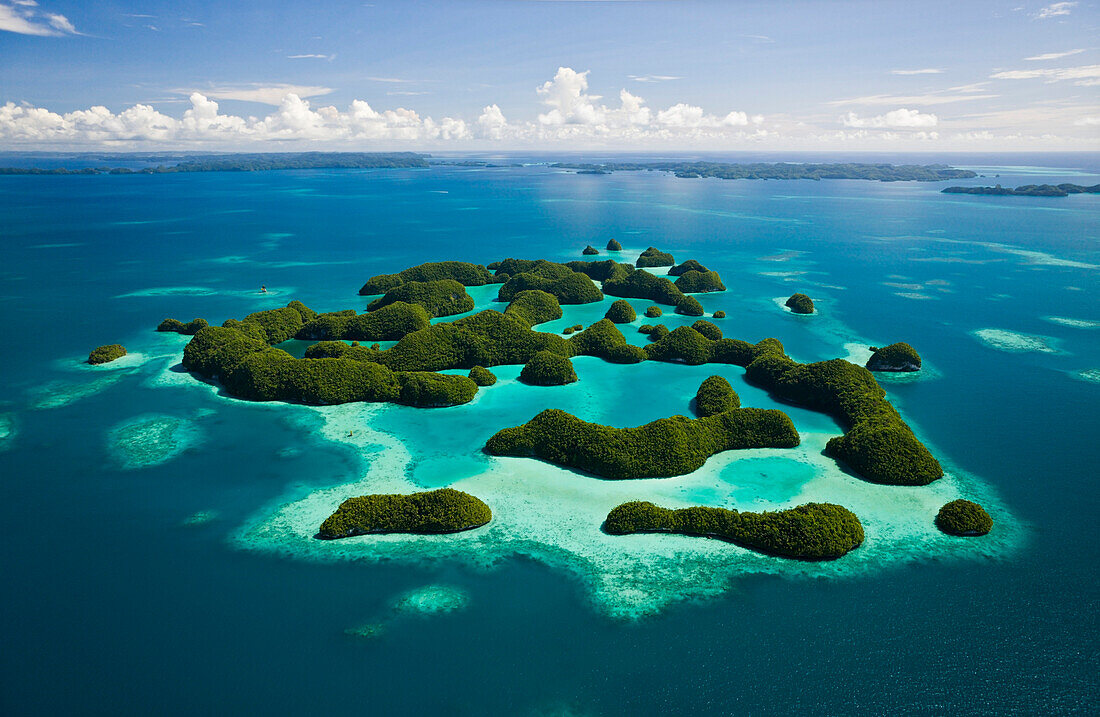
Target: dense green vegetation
(613,245)
(439,511)
(654,257)
(653,312)
(388,323)
(548,369)
(782,170)
(569,286)
(533,307)
(689,306)
(800,304)
(176,326)
(715,395)
(666,447)
(658,332)
(707,329)
(621,312)
(590,250)
(482,376)
(813,531)
(626,353)
(692,282)
(895,357)
(463,272)
(625,281)
(106,354)
(877,444)
(719,314)
(239,354)
(443,297)
(599,339)
(689,265)
(1028,190)
(252,162)
(963,517)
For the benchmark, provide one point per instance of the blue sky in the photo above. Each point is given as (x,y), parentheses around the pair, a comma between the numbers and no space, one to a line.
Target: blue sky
(392,74)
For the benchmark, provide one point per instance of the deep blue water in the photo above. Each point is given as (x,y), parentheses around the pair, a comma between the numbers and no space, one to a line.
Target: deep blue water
(110,605)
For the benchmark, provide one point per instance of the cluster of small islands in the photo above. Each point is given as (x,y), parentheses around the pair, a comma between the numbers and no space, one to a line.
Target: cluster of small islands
(877,445)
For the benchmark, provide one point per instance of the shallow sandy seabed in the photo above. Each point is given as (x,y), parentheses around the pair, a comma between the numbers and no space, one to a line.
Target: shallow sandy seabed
(55,394)
(1090,375)
(1015,342)
(151,439)
(1073,323)
(554,516)
(200,518)
(7,430)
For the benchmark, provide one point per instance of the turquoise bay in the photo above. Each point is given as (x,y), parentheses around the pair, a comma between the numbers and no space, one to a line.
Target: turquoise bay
(259,621)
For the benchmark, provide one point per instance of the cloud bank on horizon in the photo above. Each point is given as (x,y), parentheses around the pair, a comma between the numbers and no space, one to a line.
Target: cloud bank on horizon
(1041,101)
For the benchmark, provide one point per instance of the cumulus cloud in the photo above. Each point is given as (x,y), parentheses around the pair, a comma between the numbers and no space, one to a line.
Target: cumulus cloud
(24,17)
(1054,10)
(895,119)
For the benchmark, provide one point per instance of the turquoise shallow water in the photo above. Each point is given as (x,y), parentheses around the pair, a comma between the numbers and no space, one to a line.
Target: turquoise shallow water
(116,591)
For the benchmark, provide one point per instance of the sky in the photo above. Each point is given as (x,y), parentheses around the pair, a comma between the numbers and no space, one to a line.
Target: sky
(285,75)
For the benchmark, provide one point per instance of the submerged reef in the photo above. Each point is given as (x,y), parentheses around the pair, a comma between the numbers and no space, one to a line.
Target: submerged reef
(460,271)
(621,312)
(814,531)
(665,447)
(439,511)
(106,354)
(176,326)
(443,297)
(715,395)
(654,257)
(800,304)
(963,518)
(548,369)
(895,357)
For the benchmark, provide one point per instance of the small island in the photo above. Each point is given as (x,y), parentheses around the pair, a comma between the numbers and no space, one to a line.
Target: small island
(895,357)
(433,512)
(482,376)
(963,518)
(654,257)
(814,531)
(175,326)
(800,304)
(715,395)
(548,369)
(106,354)
(719,314)
(614,245)
(788,170)
(697,282)
(689,265)
(1027,190)
(621,312)
(590,250)
(443,297)
(653,312)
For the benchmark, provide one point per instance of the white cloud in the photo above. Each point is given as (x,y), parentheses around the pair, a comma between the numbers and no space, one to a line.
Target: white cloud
(1053,55)
(951,95)
(310,56)
(925,71)
(654,78)
(264,94)
(1088,122)
(1054,10)
(1084,75)
(897,119)
(23,17)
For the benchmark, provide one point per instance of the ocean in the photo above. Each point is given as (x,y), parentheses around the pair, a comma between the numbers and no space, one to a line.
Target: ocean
(157,558)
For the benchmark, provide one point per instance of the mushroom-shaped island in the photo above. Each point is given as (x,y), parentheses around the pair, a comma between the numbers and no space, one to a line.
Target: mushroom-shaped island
(895,357)
(613,245)
(715,395)
(548,369)
(689,265)
(800,304)
(654,257)
(689,306)
(176,326)
(482,376)
(439,511)
(719,314)
(653,312)
(590,250)
(695,282)
(621,312)
(106,354)
(445,297)
(463,272)
(964,518)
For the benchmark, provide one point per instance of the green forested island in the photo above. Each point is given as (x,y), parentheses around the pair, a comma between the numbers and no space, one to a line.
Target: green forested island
(250,162)
(1027,190)
(787,170)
